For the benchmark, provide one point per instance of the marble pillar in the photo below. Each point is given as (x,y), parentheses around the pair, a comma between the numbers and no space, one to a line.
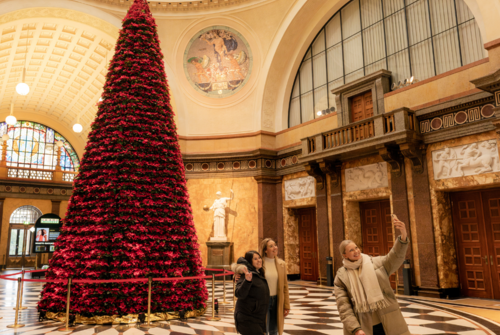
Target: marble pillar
(4,260)
(337,217)
(270,215)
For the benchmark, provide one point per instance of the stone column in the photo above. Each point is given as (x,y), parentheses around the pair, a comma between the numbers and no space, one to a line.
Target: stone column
(337,214)
(270,209)
(395,159)
(317,171)
(426,248)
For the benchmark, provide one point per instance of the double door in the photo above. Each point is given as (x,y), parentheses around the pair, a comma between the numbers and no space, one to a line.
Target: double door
(376,227)
(476,221)
(19,253)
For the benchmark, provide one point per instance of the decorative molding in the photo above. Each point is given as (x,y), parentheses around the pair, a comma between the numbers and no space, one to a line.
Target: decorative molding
(461,117)
(268,179)
(414,154)
(313,170)
(366,177)
(333,169)
(32,189)
(299,188)
(466,160)
(393,157)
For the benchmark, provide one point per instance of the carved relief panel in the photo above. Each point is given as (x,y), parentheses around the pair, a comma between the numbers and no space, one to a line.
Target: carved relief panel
(466,160)
(300,188)
(366,177)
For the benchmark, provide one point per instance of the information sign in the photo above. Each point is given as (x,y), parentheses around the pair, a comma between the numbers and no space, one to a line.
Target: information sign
(46,232)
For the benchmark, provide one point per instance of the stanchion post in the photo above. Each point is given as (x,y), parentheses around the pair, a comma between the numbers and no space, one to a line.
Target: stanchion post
(17,325)
(149,325)
(21,307)
(234,294)
(224,302)
(67,328)
(213,317)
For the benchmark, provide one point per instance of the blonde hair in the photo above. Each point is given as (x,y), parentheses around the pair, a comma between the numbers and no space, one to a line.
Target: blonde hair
(343,245)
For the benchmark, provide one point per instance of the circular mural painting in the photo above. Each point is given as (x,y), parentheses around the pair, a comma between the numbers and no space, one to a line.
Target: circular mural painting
(218,61)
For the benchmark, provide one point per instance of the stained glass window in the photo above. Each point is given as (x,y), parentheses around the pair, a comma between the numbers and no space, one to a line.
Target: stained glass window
(25,215)
(33,145)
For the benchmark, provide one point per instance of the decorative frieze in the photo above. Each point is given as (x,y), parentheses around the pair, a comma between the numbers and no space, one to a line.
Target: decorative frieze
(466,160)
(300,188)
(457,118)
(366,177)
(240,164)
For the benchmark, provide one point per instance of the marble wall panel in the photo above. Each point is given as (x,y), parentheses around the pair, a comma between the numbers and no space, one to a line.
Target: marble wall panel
(241,216)
(291,224)
(351,200)
(366,177)
(300,188)
(441,209)
(466,160)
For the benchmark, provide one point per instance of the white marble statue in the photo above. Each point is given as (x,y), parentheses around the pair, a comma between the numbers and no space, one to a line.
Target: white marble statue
(219,208)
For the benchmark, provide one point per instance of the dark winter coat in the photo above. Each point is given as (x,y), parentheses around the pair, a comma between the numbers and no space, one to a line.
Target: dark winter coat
(253,300)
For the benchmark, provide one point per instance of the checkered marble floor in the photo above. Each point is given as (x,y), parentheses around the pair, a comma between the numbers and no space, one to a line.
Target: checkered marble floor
(314,311)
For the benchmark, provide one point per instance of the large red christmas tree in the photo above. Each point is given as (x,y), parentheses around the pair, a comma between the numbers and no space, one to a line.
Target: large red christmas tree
(129,215)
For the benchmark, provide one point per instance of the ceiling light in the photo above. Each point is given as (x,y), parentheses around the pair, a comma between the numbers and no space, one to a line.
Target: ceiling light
(22,88)
(11,119)
(77,128)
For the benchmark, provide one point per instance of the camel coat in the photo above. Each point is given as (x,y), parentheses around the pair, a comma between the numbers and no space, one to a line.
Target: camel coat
(391,316)
(283,299)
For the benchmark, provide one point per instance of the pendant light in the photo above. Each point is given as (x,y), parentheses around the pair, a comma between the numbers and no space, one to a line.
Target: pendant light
(11,119)
(22,88)
(77,127)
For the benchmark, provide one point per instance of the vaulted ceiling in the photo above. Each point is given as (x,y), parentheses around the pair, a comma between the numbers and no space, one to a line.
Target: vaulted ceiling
(65,68)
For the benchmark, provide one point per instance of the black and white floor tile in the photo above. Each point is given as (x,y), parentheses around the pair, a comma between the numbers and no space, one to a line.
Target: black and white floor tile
(314,311)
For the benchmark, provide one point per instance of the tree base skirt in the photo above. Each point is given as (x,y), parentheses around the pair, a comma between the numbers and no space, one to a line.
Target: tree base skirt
(125,319)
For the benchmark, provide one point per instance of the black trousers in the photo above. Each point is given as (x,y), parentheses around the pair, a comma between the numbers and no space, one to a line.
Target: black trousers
(378,329)
(245,326)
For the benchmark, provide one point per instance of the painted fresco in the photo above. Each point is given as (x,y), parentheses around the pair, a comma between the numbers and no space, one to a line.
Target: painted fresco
(218,61)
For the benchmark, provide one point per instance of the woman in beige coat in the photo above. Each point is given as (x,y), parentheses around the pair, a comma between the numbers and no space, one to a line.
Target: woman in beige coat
(365,300)
(276,276)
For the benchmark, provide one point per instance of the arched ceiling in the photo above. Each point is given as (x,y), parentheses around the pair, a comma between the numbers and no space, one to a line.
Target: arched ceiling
(65,65)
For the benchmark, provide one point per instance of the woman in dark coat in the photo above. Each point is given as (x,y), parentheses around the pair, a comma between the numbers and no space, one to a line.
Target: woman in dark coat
(252,292)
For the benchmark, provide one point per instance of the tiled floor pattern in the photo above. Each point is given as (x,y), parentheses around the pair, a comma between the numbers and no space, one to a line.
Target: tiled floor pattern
(314,312)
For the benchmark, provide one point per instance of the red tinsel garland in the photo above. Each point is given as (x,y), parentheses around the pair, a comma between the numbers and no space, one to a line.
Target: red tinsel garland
(129,215)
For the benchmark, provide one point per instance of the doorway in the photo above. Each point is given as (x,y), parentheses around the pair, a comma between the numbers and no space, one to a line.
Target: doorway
(20,244)
(376,228)
(476,221)
(308,244)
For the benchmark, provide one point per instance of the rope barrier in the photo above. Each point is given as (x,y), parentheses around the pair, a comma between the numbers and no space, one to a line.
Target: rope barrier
(129,280)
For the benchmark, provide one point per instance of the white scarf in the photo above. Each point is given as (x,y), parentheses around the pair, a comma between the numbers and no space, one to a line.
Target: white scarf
(365,289)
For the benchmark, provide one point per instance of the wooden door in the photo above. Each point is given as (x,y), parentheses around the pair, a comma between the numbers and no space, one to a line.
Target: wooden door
(362,106)
(476,221)
(19,247)
(491,208)
(308,244)
(376,227)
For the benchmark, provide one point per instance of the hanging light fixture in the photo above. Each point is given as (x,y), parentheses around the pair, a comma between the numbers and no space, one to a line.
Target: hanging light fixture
(22,88)
(11,119)
(77,127)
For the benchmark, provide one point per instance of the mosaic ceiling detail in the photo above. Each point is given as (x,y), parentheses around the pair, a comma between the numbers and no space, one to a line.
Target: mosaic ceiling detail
(218,62)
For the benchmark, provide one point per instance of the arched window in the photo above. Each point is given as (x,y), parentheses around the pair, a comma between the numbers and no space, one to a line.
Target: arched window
(33,145)
(25,215)
(420,38)
(21,237)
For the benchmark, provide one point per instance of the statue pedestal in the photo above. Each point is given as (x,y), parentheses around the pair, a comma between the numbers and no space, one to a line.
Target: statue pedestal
(220,256)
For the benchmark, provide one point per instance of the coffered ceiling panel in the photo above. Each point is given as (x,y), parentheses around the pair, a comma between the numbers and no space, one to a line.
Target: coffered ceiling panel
(66,64)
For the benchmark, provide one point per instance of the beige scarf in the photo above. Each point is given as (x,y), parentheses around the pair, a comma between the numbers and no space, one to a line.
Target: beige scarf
(365,289)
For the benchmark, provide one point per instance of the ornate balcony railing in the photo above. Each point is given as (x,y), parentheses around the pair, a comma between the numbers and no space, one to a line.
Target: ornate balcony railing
(14,172)
(398,126)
